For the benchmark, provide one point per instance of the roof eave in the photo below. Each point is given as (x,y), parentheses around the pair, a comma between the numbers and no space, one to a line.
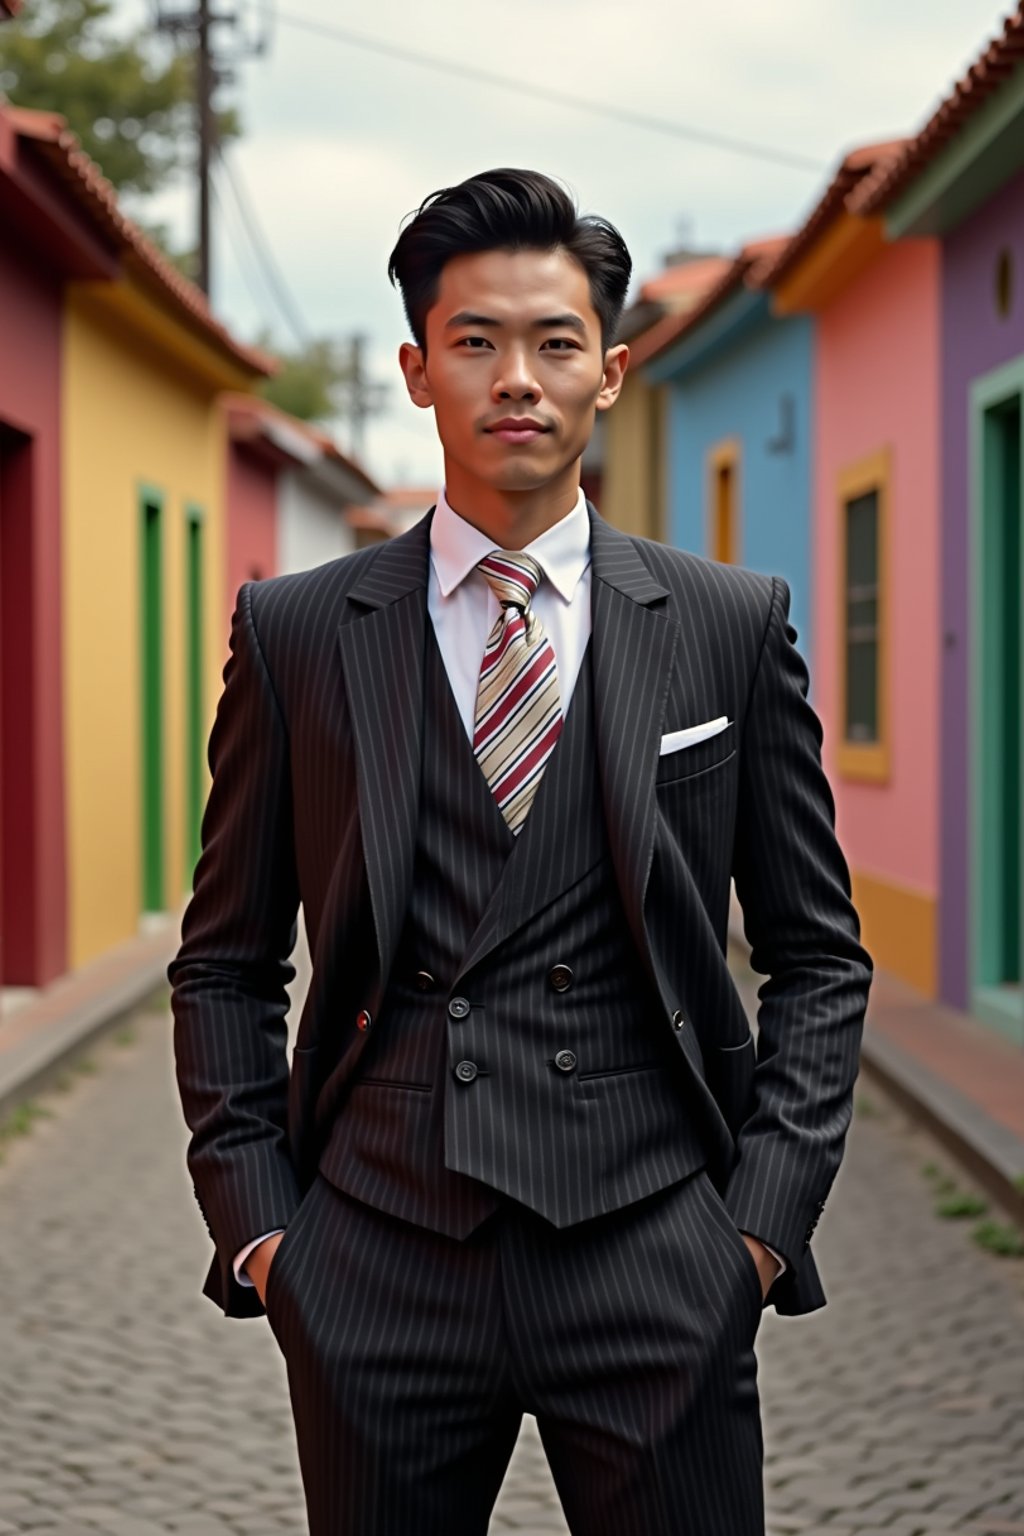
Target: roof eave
(974,164)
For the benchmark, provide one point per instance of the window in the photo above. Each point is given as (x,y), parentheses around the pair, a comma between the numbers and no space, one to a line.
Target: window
(861,722)
(863,500)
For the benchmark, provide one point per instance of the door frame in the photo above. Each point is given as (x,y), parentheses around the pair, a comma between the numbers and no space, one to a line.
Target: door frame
(986,394)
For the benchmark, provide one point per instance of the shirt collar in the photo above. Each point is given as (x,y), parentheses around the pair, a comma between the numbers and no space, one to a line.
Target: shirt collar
(562,551)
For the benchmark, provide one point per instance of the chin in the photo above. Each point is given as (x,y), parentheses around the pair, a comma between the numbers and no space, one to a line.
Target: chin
(518,477)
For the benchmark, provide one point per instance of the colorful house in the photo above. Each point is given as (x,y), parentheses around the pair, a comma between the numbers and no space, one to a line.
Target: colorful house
(960,188)
(875,550)
(739,425)
(127,610)
(141,482)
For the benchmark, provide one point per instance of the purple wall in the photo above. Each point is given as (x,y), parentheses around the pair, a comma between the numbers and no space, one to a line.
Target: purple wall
(975,339)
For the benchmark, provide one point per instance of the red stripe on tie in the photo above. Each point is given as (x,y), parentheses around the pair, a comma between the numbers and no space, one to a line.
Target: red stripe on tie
(520,576)
(507,785)
(513,628)
(509,699)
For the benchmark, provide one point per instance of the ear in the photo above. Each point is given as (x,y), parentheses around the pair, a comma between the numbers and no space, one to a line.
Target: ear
(616,361)
(411,362)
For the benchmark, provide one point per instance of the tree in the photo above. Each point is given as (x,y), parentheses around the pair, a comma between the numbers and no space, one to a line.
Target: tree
(128,100)
(323,381)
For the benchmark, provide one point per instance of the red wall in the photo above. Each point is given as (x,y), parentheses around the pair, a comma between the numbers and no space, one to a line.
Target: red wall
(252,520)
(33,916)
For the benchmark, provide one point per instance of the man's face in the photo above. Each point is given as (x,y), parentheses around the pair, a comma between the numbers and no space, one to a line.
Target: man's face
(513,336)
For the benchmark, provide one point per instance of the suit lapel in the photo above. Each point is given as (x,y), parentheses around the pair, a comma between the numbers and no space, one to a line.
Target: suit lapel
(634,642)
(381,638)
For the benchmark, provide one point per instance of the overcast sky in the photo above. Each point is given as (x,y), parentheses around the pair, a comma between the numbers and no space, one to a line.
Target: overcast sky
(340,142)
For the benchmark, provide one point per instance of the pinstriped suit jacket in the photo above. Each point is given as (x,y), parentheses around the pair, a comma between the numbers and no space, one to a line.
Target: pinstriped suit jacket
(315,754)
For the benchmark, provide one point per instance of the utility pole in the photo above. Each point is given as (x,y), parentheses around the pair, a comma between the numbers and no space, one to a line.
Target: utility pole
(205,128)
(252,35)
(364,397)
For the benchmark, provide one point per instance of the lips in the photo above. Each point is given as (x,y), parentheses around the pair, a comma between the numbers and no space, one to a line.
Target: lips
(513,429)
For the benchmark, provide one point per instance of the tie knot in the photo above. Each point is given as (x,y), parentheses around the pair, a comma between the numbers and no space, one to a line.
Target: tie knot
(513,576)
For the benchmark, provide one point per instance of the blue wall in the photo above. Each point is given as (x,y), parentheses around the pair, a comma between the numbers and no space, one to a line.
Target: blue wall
(727,381)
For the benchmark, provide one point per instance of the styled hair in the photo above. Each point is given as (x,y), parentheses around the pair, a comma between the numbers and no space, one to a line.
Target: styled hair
(508,210)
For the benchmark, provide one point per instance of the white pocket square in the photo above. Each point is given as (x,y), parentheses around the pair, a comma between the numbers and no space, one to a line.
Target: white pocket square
(689,736)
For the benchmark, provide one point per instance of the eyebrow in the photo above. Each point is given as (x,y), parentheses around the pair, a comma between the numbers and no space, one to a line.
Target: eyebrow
(550,322)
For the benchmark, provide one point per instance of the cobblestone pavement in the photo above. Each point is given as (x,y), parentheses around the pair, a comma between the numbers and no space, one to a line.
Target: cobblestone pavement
(129,1406)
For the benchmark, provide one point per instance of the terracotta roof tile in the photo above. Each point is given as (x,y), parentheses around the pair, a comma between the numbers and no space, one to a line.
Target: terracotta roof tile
(1001,58)
(859,163)
(746,269)
(96,196)
(682,282)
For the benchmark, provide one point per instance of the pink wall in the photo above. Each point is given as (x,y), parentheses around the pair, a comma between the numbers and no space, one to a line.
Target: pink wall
(252,519)
(877,385)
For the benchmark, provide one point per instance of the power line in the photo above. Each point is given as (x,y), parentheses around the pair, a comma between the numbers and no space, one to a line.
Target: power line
(271,272)
(546,93)
(243,255)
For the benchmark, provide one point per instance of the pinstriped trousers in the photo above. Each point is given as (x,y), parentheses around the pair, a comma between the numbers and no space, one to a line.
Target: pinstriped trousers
(411,1358)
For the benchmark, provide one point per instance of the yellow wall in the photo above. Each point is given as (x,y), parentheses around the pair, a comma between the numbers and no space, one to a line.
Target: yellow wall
(132,419)
(632,477)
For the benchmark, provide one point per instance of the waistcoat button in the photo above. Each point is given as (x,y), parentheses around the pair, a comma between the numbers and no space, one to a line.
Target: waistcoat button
(363,1020)
(565,1061)
(466,1071)
(677,1019)
(458,1008)
(560,977)
(424,981)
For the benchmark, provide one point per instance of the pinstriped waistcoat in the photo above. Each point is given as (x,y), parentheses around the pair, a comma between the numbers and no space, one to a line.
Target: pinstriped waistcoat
(544,1077)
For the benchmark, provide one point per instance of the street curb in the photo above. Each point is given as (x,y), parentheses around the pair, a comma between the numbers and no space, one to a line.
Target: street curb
(992,1155)
(34,1065)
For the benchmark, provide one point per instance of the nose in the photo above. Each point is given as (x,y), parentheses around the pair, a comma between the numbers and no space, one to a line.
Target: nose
(515,378)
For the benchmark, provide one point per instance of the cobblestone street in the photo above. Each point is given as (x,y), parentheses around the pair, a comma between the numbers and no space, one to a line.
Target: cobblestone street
(130,1407)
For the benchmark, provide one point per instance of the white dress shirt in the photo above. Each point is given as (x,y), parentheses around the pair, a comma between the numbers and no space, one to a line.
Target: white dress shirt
(463,609)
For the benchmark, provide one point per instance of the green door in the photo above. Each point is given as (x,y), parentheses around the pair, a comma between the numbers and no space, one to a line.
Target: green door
(152,702)
(998,738)
(193,690)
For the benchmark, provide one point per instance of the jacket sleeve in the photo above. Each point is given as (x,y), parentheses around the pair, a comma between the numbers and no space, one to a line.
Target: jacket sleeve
(793,885)
(229,977)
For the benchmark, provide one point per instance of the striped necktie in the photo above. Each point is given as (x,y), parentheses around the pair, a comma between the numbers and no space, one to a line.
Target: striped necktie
(518,705)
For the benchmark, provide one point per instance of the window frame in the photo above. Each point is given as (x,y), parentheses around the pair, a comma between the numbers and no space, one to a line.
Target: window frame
(868,762)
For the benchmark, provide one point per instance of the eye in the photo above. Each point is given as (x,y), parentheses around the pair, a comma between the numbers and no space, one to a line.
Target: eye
(463,340)
(562,342)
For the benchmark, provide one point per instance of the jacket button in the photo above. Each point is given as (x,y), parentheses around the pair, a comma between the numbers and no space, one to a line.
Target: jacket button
(363,1020)
(678,1019)
(424,981)
(466,1071)
(458,1008)
(560,977)
(565,1061)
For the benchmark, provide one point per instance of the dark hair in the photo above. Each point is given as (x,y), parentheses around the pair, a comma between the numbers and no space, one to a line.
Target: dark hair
(509,210)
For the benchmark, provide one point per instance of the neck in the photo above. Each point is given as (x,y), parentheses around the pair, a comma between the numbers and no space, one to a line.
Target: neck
(512,519)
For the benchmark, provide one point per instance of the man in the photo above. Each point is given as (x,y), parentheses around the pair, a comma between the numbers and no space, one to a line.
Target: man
(528,1157)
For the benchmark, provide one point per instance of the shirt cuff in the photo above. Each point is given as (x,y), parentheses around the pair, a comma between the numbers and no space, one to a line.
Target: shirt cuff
(243,1254)
(771,1250)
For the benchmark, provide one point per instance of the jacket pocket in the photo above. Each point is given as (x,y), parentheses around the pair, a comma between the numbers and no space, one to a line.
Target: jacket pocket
(601,1072)
(688,762)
